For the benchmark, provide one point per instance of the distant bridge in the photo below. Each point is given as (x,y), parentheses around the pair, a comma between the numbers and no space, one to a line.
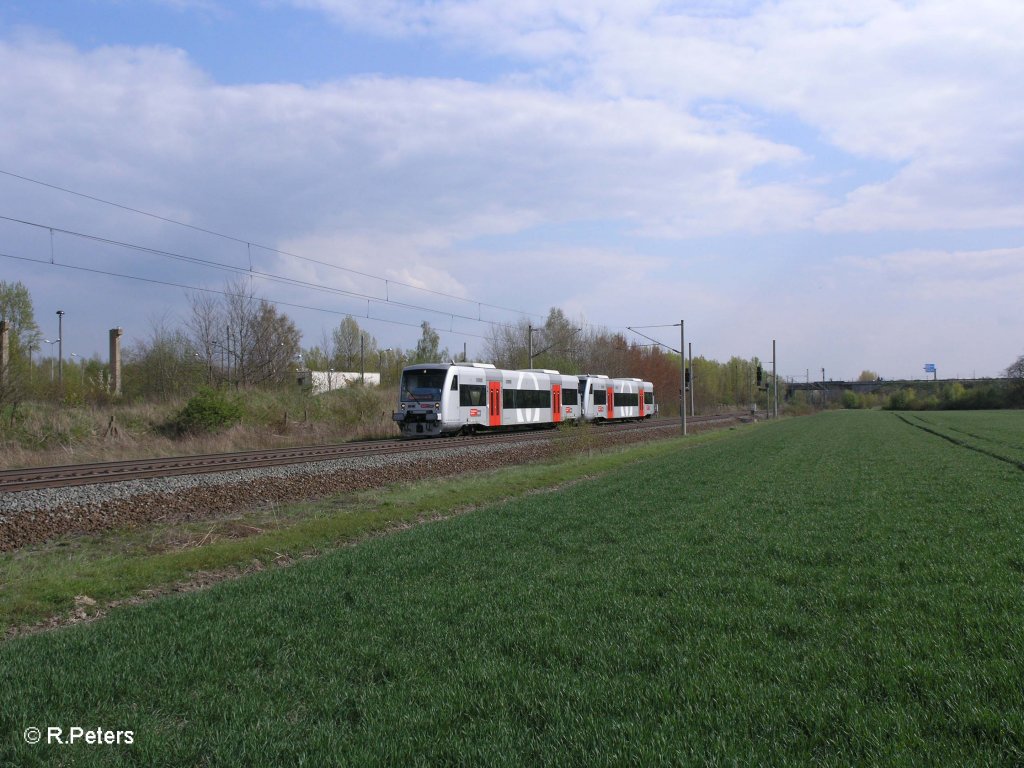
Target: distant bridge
(877,384)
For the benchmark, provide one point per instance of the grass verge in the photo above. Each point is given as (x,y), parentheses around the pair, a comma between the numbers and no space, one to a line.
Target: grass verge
(839,590)
(38,582)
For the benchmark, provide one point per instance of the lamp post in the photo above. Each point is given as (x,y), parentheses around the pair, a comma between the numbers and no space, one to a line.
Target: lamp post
(380,363)
(51,343)
(60,347)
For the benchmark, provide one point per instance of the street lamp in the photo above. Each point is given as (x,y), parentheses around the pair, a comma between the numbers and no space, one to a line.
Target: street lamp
(380,363)
(60,347)
(51,343)
(31,371)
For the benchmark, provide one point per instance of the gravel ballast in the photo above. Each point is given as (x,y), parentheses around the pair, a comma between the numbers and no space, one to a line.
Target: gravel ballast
(34,516)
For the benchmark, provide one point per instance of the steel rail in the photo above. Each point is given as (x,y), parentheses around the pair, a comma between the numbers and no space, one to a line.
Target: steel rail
(31,478)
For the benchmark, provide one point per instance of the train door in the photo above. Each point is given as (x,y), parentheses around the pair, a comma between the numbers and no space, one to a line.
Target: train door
(495,403)
(556,403)
(611,402)
(640,403)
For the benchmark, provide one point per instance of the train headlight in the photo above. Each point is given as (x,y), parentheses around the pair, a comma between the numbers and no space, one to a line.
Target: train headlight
(403,406)
(437,406)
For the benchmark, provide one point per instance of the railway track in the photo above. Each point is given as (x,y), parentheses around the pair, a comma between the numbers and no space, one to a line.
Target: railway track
(13,480)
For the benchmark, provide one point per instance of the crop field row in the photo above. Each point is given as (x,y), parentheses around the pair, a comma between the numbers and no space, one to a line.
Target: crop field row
(999,433)
(839,589)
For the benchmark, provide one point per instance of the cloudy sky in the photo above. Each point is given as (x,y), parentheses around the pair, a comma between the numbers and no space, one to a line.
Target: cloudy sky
(845,177)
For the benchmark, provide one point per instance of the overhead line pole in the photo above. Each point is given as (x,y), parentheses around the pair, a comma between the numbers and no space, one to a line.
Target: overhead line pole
(682,361)
(775,380)
(60,347)
(693,391)
(682,372)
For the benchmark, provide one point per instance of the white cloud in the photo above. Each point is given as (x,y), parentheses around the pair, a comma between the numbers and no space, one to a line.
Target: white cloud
(924,84)
(658,120)
(952,277)
(379,153)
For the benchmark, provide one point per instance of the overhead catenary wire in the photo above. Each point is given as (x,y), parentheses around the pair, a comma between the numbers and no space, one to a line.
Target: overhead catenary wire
(250,243)
(171,284)
(268,276)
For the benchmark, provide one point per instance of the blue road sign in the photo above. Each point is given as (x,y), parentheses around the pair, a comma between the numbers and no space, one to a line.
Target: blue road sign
(929,367)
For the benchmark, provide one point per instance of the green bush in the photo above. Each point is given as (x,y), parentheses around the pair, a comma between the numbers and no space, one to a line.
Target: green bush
(208,411)
(981,397)
(903,400)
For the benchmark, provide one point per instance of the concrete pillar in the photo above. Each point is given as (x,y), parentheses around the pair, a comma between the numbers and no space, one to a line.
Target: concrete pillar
(115,360)
(5,355)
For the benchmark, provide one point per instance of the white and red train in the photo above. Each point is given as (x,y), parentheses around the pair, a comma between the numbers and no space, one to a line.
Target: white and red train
(446,399)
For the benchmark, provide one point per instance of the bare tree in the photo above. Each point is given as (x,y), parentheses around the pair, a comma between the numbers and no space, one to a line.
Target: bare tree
(275,341)
(1016,370)
(164,365)
(428,348)
(348,342)
(204,325)
(559,344)
(507,346)
(1015,373)
(242,338)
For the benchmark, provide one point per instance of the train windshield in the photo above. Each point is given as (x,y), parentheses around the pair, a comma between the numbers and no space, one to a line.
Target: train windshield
(423,384)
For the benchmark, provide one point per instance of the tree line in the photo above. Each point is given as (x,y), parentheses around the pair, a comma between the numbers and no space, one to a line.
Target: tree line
(237,339)
(232,338)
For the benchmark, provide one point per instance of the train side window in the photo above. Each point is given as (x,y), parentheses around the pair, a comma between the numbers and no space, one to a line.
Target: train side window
(623,399)
(473,394)
(455,383)
(649,398)
(569,397)
(526,398)
(600,397)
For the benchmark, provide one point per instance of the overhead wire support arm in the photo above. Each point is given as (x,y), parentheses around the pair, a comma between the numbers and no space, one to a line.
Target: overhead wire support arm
(682,361)
(656,342)
(552,346)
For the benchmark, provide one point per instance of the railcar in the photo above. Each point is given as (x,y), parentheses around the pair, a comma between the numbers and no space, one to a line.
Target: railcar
(607,399)
(446,399)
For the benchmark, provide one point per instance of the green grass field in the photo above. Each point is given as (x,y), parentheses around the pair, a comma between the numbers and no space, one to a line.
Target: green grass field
(839,589)
(1000,434)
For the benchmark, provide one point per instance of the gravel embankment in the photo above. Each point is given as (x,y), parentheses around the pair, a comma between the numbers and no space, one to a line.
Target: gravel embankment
(29,517)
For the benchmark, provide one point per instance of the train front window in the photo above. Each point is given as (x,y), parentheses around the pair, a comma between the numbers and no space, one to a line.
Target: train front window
(423,384)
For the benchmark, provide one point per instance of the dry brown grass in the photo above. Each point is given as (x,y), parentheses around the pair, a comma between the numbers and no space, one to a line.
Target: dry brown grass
(44,434)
